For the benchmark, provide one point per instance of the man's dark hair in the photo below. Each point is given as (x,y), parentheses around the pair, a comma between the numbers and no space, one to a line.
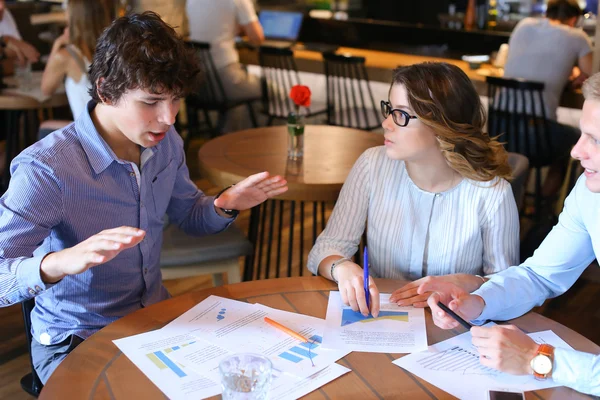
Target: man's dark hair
(141,51)
(563,10)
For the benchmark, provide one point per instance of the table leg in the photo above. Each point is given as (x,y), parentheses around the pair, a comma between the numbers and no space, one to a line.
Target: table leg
(252,237)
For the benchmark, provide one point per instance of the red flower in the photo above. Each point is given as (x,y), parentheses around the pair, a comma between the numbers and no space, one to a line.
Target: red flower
(300,95)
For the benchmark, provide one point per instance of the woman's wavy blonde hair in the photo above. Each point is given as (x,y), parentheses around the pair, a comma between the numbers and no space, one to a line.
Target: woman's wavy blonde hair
(444,99)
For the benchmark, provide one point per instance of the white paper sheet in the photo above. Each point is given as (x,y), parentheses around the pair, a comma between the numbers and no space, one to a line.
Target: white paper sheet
(150,353)
(453,366)
(395,330)
(240,327)
(287,388)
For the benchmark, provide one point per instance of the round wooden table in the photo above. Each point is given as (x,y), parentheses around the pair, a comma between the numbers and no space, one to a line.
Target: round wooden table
(329,154)
(98,370)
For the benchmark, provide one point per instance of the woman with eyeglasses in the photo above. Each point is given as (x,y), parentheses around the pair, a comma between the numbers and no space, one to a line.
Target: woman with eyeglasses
(435,198)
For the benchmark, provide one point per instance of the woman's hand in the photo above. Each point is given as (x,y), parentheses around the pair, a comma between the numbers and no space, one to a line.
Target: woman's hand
(407,295)
(63,39)
(350,279)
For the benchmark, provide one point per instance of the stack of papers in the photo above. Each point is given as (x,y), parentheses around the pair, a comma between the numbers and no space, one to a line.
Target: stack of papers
(182,358)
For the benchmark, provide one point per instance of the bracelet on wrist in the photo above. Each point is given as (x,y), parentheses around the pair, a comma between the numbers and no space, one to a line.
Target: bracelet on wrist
(335,264)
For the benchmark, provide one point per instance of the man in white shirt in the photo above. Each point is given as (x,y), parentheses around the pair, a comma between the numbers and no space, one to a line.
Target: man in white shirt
(218,23)
(554,267)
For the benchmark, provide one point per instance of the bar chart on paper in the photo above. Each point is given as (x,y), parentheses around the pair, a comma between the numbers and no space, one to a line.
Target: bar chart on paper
(350,316)
(457,359)
(453,366)
(302,351)
(163,362)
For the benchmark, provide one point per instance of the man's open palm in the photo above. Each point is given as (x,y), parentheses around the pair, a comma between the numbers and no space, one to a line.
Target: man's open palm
(252,191)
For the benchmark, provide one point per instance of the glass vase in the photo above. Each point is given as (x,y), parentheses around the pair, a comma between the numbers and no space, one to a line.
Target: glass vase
(295,127)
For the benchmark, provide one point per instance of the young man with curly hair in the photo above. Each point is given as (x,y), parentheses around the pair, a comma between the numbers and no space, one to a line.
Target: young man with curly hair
(81,223)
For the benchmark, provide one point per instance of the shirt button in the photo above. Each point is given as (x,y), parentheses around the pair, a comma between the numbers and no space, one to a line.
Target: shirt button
(31,291)
(38,288)
(132,174)
(145,270)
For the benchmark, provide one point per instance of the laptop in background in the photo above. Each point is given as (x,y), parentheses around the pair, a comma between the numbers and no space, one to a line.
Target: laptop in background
(281,28)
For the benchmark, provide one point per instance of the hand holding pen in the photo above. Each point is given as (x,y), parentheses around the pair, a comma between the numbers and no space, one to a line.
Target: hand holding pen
(459,302)
(354,284)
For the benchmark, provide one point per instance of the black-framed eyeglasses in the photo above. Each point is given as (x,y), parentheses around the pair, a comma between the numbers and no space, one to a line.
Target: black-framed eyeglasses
(400,117)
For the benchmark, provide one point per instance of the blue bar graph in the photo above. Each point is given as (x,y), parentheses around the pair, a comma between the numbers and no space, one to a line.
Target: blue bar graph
(316,338)
(301,351)
(290,357)
(175,348)
(172,366)
(304,349)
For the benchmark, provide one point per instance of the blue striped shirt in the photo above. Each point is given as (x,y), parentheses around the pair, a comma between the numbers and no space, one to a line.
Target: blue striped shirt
(560,260)
(70,186)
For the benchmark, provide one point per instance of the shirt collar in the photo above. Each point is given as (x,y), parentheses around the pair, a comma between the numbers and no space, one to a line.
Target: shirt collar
(98,152)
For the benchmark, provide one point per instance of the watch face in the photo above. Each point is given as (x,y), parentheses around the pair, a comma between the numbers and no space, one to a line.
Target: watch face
(541,364)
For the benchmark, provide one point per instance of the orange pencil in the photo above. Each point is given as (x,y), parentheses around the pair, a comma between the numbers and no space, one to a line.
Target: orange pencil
(285,329)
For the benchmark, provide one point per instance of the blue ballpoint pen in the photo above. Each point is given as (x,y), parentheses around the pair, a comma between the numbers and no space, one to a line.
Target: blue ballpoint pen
(366,277)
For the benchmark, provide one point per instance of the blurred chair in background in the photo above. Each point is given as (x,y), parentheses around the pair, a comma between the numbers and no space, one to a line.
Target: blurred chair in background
(350,101)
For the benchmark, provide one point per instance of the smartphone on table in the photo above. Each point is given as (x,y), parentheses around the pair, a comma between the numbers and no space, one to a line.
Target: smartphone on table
(499,394)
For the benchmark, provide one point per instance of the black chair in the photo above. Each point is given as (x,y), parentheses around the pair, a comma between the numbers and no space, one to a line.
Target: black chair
(520,169)
(517,116)
(211,97)
(350,100)
(267,223)
(279,74)
(31,382)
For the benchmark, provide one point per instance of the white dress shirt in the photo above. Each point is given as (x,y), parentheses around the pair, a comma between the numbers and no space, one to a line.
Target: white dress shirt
(559,261)
(471,228)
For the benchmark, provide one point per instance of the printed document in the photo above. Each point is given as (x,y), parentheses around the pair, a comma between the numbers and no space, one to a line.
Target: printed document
(240,327)
(150,353)
(453,366)
(395,330)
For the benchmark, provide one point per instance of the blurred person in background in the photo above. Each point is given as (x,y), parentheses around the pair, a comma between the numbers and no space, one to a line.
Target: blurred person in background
(547,50)
(218,23)
(72,52)
(16,48)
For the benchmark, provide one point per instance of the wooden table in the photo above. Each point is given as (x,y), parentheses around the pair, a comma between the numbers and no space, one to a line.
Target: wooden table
(380,65)
(98,370)
(20,116)
(329,154)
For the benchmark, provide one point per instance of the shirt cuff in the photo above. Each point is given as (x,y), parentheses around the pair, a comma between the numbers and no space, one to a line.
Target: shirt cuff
(572,367)
(486,292)
(214,219)
(29,277)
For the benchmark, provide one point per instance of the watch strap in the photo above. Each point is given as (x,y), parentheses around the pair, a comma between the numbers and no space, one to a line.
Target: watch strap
(232,213)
